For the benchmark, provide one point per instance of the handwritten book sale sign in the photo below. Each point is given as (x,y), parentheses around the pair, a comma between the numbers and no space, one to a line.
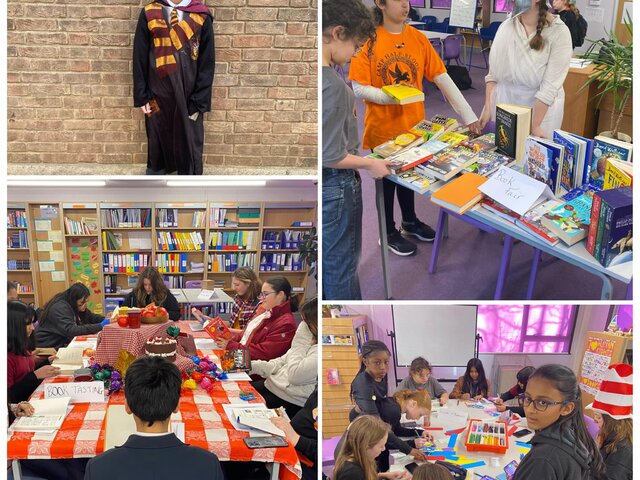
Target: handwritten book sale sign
(596,360)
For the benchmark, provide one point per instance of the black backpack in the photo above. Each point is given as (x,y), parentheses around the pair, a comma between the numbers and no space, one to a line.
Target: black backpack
(582,30)
(460,76)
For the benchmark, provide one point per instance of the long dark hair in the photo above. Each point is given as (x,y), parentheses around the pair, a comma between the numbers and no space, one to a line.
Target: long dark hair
(71,295)
(564,380)
(160,290)
(368,349)
(483,386)
(281,284)
(352,15)
(19,315)
(309,314)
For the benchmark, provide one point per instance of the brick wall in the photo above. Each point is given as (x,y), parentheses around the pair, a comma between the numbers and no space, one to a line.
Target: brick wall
(70,83)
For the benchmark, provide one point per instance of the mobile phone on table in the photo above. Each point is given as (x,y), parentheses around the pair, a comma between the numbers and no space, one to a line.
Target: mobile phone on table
(265,442)
(521,433)
(510,469)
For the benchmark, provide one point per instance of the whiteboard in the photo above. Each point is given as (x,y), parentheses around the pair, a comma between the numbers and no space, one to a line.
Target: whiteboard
(463,13)
(443,334)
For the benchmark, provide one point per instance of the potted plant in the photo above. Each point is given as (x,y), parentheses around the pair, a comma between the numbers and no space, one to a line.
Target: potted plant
(613,74)
(309,251)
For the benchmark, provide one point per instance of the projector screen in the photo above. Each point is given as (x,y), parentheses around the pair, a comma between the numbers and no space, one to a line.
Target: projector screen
(443,334)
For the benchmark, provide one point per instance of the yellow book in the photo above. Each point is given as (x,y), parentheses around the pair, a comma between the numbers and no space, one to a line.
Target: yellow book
(104,241)
(404,94)
(617,174)
(452,138)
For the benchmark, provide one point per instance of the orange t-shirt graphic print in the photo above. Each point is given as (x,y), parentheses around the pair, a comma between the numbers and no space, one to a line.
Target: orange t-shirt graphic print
(388,65)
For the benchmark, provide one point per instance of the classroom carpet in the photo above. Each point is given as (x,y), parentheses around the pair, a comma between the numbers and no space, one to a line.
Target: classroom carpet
(468,260)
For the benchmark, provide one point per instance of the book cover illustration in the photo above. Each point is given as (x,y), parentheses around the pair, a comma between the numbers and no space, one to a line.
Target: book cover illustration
(236,360)
(506,132)
(602,150)
(617,237)
(570,221)
(542,162)
(488,162)
(568,165)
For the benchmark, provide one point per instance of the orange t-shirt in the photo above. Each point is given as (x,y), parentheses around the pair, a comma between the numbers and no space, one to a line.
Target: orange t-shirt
(388,65)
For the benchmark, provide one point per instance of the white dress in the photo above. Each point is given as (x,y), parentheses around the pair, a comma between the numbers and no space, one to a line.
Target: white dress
(524,75)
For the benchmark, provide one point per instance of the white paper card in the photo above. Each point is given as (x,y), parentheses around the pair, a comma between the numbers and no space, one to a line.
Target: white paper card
(46,265)
(79,392)
(514,190)
(56,255)
(206,295)
(42,225)
(55,236)
(58,276)
(44,245)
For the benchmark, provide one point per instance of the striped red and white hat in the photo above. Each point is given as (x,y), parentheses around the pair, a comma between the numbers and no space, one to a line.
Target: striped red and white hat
(616,392)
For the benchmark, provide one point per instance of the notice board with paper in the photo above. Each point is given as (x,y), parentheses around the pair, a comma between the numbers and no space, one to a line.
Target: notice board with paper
(462,13)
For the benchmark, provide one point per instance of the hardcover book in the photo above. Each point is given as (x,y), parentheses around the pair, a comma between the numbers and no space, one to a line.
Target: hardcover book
(604,148)
(543,161)
(513,124)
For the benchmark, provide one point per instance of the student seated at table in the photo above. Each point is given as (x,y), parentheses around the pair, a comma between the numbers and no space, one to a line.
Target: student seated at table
(22,376)
(66,316)
(517,391)
(152,394)
(246,301)
(473,384)
(613,414)
(269,334)
(431,471)
(364,441)
(562,447)
(291,378)
(420,379)
(151,289)
(302,432)
(41,469)
(369,394)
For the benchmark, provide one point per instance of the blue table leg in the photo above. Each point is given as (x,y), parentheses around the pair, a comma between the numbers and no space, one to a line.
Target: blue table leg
(504,266)
(442,217)
(382,231)
(534,272)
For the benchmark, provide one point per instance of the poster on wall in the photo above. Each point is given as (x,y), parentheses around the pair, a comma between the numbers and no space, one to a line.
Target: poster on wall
(85,269)
(596,360)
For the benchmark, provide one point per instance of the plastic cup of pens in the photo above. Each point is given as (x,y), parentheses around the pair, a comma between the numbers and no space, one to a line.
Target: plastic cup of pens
(487,436)
(134,317)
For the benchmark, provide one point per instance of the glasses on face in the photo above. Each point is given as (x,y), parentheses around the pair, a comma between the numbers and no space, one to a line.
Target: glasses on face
(264,295)
(540,404)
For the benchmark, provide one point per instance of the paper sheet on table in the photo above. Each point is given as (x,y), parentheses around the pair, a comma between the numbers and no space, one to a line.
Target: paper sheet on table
(90,343)
(196,327)
(205,344)
(238,377)
(228,410)
(516,191)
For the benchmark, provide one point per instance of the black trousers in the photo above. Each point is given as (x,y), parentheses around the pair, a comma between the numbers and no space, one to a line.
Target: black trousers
(406,200)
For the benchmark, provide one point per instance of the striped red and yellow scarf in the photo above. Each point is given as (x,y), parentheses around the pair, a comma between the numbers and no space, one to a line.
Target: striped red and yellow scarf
(167,41)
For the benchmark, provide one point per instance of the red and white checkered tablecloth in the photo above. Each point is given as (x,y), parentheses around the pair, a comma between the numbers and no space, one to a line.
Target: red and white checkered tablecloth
(206,425)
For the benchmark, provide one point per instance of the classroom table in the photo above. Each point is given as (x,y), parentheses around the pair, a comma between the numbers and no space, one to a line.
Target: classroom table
(576,255)
(492,468)
(189,296)
(206,424)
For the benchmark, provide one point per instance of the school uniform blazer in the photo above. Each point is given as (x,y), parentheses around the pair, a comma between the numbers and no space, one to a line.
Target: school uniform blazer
(158,458)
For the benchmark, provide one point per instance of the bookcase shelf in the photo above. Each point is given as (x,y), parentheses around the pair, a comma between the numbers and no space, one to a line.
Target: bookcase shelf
(18,221)
(87,252)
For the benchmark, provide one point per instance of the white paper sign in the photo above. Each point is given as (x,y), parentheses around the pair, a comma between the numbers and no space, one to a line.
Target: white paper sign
(44,246)
(58,276)
(46,265)
(56,256)
(55,236)
(42,225)
(206,295)
(515,190)
(79,392)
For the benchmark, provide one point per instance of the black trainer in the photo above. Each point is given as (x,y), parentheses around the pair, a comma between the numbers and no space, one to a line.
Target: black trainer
(420,230)
(399,245)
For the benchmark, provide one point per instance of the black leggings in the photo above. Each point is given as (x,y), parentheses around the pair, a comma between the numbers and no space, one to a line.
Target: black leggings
(406,200)
(273,401)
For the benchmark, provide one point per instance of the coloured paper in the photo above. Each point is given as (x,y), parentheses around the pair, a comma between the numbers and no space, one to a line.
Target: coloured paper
(596,360)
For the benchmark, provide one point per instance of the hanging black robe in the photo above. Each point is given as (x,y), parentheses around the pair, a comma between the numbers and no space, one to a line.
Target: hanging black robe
(175,141)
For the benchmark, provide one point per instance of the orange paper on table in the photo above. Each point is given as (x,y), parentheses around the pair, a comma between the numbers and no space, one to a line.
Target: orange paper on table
(217,329)
(460,194)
